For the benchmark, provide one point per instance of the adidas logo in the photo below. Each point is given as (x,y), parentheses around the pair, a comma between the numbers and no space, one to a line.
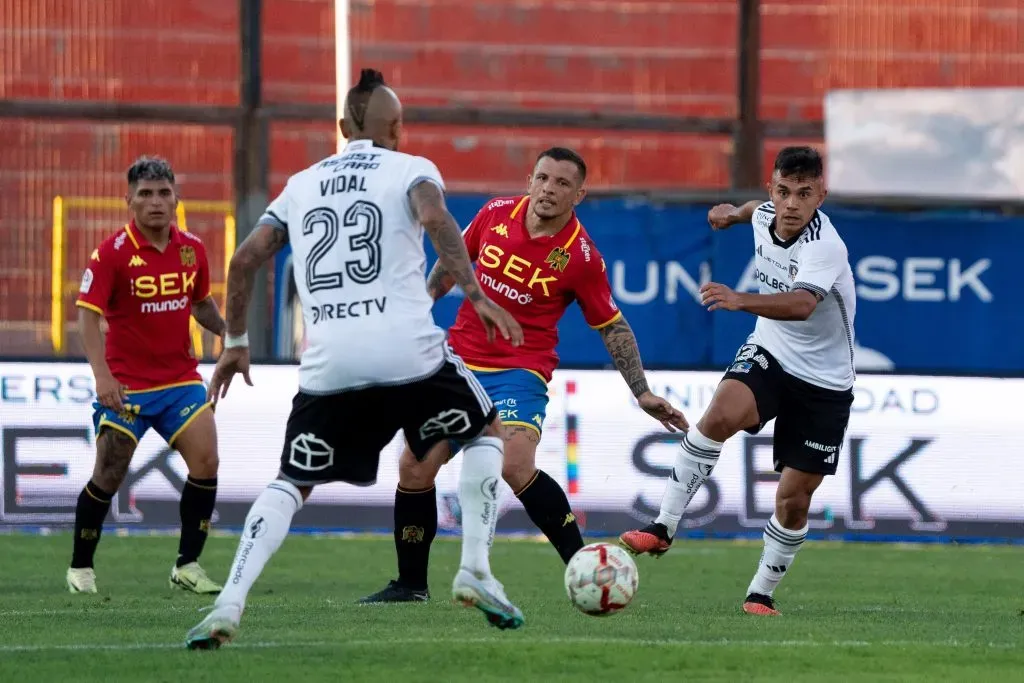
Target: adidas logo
(136,260)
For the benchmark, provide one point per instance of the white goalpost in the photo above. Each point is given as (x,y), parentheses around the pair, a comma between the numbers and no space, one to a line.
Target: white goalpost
(342,64)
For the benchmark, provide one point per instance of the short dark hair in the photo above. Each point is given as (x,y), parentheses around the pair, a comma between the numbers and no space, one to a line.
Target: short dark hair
(150,168)
(565,154)
(799,161)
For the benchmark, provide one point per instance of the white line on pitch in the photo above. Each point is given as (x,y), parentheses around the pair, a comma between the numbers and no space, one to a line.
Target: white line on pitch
(515,641)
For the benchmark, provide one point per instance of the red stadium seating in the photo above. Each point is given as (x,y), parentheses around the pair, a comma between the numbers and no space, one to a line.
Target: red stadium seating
(641,56)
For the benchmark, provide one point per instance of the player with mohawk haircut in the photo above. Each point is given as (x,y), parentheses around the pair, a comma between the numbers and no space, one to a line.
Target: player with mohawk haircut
(376,363)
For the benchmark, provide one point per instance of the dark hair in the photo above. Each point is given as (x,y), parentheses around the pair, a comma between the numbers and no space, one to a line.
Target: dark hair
(150,168)
(799,161)
(566,154)
(369,80)
(358,98)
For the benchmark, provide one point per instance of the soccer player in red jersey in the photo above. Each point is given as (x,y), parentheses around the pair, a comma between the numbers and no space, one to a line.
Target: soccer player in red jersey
(147,280)
(534,258)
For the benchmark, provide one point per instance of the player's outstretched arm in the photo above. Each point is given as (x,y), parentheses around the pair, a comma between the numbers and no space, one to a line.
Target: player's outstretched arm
(798,304)
(725,216)
(622,347)
(208,315)
(428,205)
(258,248)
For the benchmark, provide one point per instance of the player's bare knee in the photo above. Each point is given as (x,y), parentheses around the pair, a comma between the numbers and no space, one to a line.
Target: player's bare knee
(719,425)
(517,474)
(197,444)
(415,475)
(202,465)
(791,509)
(114,451)
(733,408)
(520,462)
(517,468)
(420,474)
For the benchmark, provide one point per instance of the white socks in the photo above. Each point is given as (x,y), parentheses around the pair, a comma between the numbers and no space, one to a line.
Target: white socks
(693,466)
(478,496)
(780,547)
(265,529)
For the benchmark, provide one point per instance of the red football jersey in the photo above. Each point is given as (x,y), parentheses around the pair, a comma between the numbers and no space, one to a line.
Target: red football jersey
(535,279)
(146,296)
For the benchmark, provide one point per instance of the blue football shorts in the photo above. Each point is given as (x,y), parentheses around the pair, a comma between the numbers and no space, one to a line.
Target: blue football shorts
(168,410)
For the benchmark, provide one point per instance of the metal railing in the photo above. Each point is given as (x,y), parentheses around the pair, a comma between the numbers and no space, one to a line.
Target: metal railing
(61,287)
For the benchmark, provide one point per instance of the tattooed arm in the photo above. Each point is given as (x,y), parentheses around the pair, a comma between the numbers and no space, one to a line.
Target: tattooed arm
(258,248)
(207,314)
(622,347)
(428,205)
(621,344)
(439,282)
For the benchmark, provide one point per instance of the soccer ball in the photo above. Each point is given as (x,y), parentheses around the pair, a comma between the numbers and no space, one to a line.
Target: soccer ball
(601,579)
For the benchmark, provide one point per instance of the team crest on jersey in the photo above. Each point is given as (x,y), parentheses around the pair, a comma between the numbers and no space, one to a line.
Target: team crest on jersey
(558,259)
(188,256)
(794,268)
(501,229)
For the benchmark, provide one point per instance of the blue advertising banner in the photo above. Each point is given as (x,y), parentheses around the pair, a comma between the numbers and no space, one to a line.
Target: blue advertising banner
(933,288)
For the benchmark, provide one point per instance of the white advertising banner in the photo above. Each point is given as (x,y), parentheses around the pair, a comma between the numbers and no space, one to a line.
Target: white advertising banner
(924,457)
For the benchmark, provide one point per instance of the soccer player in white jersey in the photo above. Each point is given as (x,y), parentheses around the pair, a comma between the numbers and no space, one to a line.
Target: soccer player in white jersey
(376,362)
(797,367)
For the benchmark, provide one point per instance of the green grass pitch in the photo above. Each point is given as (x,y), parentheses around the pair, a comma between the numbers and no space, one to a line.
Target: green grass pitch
(852,612)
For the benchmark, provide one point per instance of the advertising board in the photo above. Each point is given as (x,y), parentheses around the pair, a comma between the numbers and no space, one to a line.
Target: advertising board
(935,289)
(924,458)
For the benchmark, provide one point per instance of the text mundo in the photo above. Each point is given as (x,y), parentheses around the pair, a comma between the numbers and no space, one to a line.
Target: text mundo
(166,305)
(505,290)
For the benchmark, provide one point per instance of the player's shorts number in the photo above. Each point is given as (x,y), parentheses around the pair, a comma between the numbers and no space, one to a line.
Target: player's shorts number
(365,244)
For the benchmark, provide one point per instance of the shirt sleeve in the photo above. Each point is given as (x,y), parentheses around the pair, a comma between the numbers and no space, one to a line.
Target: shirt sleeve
(421,169)
(202,289)
(821,263)
(763,215)
(97,284)
(594,294)
(277,214)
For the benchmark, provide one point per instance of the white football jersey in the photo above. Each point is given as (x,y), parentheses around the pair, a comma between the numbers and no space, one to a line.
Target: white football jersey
(818,350)
(359,268)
